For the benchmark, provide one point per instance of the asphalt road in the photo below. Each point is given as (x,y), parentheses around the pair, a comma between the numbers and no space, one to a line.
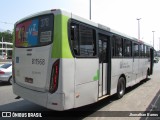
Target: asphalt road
(144,96)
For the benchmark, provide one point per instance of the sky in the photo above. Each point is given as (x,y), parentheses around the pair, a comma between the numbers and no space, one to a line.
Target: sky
(120,15)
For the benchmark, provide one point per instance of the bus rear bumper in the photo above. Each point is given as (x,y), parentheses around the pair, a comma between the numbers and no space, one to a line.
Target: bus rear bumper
(45,99)
(56,101)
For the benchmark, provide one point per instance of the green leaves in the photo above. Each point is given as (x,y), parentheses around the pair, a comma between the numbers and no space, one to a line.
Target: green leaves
(7,36)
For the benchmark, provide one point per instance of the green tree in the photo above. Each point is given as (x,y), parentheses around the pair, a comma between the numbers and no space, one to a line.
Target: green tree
(7,36)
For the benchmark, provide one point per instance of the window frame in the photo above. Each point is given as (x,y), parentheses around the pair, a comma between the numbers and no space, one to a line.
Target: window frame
(113,41)
(148,51)
(141,50)
(137,56)
(104,34)
(69,38)
(124,45)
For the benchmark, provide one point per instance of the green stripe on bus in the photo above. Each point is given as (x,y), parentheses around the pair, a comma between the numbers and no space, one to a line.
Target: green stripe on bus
(96,77)
(61,48)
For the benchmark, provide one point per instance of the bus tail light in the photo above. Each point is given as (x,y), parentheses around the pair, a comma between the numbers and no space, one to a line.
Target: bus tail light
(54,77)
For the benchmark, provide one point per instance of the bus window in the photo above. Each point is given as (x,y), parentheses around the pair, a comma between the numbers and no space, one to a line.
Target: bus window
(141,50)
(148,52)
(83,40)
(127,48)
(145,51)
(34,32)
(113,47)
(102,43)
(118,47)
(136,50)
(74,38)
(86,41)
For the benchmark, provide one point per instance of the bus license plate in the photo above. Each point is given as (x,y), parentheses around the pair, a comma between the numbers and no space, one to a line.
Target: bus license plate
(28,80)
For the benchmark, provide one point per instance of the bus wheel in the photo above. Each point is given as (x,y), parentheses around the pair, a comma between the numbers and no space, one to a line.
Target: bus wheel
(121,87)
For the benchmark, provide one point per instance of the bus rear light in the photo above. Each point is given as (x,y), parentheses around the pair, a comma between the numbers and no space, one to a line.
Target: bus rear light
(54,77)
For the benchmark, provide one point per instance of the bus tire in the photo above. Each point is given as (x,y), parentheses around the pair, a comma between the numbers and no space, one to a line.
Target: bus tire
(121,87)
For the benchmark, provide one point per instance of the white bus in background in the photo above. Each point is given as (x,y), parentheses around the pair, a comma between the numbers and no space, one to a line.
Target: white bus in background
(62,61)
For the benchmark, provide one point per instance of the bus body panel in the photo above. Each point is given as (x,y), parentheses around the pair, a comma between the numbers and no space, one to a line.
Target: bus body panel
(61,47)
(86,81)
(140,70)
(103,69)
(126,67)
(120,66)
(86,93)
(114,81)
(135,69)
(116,65)
(115,74)
(86,70)
(68,82)
(52,101)
(31,67)
(56,101)
(36,97)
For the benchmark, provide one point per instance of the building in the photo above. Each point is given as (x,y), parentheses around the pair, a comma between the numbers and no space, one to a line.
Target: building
(6,50)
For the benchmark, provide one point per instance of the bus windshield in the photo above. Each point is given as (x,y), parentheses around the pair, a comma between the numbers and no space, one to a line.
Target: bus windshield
(34,32)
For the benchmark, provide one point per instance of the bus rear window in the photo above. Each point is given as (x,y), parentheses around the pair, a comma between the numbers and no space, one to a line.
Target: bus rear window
(34,32)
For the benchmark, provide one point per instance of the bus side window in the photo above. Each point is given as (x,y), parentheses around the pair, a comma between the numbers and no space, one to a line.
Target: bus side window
(145,51)
(141,50)
(113,47)
(148,52)
(74,38)
(136,50)
(118,46)
(87,41)
(83,40)
(127,48)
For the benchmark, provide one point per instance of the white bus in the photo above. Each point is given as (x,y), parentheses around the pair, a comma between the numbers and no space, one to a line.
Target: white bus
(62,61)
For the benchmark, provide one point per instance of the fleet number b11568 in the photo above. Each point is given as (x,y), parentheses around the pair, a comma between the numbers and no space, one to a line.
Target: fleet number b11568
(38,61)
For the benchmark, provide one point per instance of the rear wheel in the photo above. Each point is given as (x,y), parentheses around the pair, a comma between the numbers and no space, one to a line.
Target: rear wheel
(121,87)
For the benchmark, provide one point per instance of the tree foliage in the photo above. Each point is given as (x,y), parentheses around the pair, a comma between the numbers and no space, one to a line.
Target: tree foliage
(7,36)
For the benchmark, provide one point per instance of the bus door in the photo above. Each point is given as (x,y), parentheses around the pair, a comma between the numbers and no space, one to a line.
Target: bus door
(104,84)
(151,60)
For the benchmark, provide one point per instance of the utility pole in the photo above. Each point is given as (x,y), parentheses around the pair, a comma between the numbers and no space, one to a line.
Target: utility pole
(159,44)
(153,38)
(2,46)
(138,28)
(90,9)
